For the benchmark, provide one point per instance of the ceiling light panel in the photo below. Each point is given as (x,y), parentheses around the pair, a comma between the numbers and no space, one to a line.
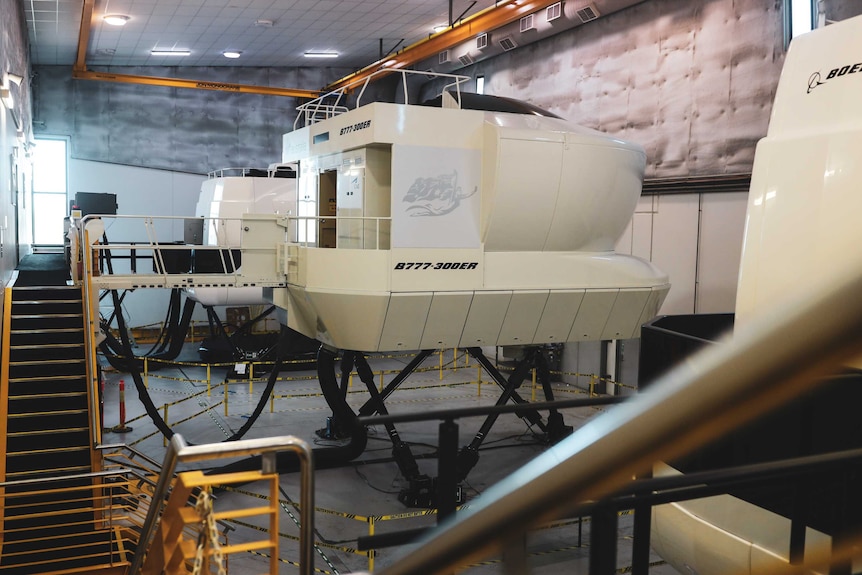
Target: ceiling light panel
(350,28)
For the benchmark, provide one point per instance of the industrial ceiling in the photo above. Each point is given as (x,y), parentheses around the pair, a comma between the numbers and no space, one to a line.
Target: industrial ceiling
(364,34)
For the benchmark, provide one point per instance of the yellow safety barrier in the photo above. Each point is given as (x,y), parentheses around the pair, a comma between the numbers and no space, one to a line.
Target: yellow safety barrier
(373,521)
(281,394)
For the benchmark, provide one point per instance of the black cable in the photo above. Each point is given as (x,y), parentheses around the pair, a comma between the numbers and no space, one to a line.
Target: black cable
(368,483)
(147,401)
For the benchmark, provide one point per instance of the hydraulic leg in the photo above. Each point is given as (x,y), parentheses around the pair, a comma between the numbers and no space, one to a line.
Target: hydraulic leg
(335,428)
(530,415)
(557,429)
(369,407)
(421,490)
(469,455)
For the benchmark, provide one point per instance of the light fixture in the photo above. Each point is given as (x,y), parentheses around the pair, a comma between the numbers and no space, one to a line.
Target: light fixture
(321,54)
(263,23)
(439,28)
(231,54)
(389,63)
(115,19)
(170,52)
(14,78)
(6,97)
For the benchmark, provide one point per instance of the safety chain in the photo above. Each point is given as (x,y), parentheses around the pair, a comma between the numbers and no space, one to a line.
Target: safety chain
(208,534)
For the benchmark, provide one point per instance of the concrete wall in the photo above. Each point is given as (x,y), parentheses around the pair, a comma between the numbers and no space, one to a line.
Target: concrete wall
(183,130)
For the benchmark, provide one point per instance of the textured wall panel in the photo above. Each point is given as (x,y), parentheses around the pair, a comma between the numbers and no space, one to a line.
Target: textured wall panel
(14,164)
(692,82)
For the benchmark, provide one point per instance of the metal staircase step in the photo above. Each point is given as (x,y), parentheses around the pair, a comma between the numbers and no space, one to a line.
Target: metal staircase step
(42,473)
(31,463)
(58,395)
(35,321)
(57,351)
(25,423)
(54,378)
(46,406)
(46,307)
(47,368)
(71,553)
(76,384)
(43,440)
(48,431)
(47,336)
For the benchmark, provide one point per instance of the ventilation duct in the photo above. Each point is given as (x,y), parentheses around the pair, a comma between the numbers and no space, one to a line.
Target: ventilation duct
(507,44)
(527,23)
(443,57)
(554,11)
(588,13)
(482,41)
(466,59)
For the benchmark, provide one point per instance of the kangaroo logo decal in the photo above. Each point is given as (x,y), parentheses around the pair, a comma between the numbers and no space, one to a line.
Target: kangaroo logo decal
(435,196)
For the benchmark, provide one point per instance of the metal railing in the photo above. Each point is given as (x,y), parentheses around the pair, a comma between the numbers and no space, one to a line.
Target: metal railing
(331,104)
(246,171)
(156,258)
(111,500)
(355,232)
(179,452)
(764,365)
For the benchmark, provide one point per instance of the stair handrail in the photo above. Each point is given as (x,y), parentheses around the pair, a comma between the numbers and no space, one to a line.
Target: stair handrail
(179,451)
(766,364)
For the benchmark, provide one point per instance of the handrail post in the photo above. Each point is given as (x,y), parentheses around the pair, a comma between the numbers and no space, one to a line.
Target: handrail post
(603,541)
(267,448)
(447,469)
(165,478)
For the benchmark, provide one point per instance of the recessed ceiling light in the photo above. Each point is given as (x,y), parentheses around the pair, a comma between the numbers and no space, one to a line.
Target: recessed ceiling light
(440,27)
(263,23)
(170,52)
(321,54)
(115,19)
(231,53)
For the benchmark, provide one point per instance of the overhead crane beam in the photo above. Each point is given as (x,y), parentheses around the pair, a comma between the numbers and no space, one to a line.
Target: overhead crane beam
(492,18)
(80,72)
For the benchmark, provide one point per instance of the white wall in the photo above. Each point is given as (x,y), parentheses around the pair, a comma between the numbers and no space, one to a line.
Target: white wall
(697,240)
(140,191)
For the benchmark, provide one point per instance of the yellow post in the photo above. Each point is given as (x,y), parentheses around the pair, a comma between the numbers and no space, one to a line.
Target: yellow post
(272,402)
(455,359)
(479,378)
(250,378)
(534,384)
(381,380)
(592,385)
(225,397)
(146,374)
(441,364)
(371,551)
(209,382)
(350,380)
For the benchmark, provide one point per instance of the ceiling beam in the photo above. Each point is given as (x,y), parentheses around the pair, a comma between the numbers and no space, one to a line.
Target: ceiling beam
(492,18)
(193,84)
(84,35)
(80,72)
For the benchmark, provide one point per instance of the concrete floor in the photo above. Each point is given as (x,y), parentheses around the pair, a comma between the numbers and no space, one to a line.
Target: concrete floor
(347,496)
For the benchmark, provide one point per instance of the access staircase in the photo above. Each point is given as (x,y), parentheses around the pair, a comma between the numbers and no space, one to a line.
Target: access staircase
(52,519)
